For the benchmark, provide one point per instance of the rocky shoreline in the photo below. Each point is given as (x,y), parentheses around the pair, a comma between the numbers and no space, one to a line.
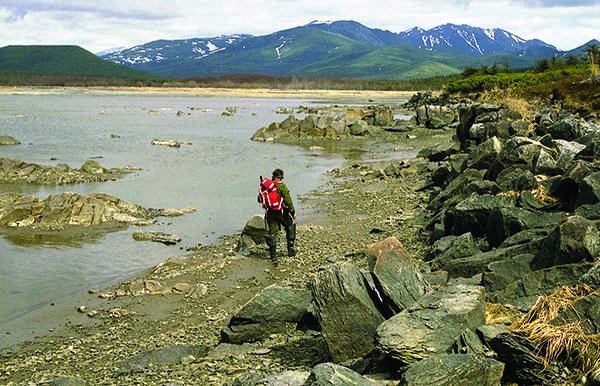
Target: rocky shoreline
(451,249)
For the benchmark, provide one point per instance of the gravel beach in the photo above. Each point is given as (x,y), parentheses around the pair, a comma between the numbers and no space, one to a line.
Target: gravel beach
(190,297)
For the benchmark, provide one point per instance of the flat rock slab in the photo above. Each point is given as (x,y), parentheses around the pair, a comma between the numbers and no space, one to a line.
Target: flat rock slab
(434,325)
(454,370)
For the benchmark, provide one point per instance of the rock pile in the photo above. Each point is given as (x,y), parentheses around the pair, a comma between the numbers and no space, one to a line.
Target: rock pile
(356,122)
(58,211)
(514,216)
(12,170)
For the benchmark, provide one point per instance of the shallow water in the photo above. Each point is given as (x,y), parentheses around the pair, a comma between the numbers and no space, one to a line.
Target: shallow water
(217,174)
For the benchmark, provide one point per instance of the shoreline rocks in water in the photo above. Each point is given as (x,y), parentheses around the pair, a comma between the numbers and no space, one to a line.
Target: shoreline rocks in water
(358,122)
(7,140)
(12,171)
(58,211)
(169,142)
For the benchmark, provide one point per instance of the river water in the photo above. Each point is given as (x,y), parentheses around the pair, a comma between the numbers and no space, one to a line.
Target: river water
(217,174)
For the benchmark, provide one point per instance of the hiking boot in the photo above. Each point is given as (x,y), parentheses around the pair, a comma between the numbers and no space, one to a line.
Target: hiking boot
(292,251)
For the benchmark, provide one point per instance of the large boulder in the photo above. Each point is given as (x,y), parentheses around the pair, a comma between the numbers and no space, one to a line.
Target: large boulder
(346,310)
(454,370)
(525,291)
(434,325)
(253,232)
(574,240)
(471,214)
(267,313)
(397,277)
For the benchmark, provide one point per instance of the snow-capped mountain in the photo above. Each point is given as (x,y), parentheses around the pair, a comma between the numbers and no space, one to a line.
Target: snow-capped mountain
(172,50)
(338,49)
(449,38)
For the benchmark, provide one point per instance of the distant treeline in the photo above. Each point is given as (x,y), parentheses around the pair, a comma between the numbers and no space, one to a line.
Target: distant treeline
(301,83)
(16,80)
(230,81)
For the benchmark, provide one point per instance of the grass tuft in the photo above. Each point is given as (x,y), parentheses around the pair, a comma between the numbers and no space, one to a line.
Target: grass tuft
(568,342)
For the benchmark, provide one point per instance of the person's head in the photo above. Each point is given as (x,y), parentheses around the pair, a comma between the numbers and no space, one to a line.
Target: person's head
(278,174)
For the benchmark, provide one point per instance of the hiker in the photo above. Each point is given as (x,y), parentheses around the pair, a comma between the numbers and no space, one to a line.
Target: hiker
(276,200)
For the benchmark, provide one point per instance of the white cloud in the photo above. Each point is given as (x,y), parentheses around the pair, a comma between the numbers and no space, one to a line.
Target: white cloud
(101,24)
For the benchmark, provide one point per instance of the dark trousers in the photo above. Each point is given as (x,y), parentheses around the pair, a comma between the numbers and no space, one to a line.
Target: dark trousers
(275,220)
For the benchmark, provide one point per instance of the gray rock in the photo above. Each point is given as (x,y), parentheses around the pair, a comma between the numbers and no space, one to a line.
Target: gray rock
(396,276)
(505,222)
(573,241)
(500,274)
(66,381)
(58,211)
(523,293)
(267,313)
(451,247)
(434,325)
(226,350)
(589,189)
(157,237)
(7,140)
(332,374)
(254,232)
(12,170)
(359,128)
(454,370)
(455,189)
(585,312)
(522,363)
(346,310)
(169,142)
(275,304)
(592,277)
(167,355)
(287,378)
(471,214)
(472,265)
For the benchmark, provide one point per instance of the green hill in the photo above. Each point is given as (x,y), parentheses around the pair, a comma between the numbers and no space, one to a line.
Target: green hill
(313,52)
(65,61)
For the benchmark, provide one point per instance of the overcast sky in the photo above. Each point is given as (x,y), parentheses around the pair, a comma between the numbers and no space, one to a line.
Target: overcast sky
(97,25)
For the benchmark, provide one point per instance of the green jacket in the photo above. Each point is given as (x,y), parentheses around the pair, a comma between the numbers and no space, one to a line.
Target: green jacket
(284,194)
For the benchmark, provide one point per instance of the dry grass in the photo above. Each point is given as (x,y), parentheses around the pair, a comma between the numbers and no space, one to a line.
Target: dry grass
(498,313)
(568,342)
(509,99)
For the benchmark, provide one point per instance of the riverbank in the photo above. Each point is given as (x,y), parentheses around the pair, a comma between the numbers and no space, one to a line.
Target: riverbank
(339,96)
(189,298)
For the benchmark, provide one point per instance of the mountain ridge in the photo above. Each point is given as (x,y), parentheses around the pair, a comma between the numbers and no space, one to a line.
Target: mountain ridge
(339,48)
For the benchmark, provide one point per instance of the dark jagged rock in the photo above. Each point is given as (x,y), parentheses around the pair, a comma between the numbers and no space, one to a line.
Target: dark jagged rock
(524,292)
(434,325)
(346,310)
(267,313)
(359,122)
(397,277)
(575,240)
(454,369)
(522,364)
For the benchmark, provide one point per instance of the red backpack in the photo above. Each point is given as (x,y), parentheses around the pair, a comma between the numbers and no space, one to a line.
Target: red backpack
(269,197)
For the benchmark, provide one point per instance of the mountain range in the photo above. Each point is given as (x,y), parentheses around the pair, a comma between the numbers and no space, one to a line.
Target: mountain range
(339,49)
